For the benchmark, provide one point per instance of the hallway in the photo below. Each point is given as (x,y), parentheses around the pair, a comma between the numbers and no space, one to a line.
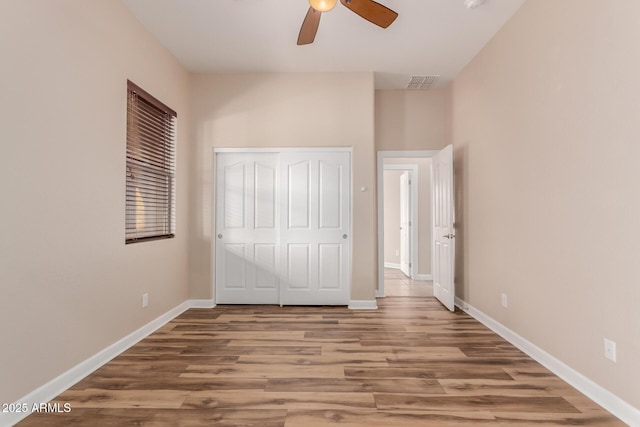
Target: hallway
(396,284)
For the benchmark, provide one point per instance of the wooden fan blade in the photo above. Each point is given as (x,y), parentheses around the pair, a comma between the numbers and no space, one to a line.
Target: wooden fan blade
(309,27)
(373,12)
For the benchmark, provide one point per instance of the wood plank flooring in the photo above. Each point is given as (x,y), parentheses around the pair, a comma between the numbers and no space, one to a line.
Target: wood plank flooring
(409,363)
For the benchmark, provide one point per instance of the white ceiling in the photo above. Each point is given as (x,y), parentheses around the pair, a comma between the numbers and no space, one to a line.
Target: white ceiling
(430,37)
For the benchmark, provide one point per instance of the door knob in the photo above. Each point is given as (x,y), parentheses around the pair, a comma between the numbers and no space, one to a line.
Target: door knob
(219,236)
(344,236)
(449,236)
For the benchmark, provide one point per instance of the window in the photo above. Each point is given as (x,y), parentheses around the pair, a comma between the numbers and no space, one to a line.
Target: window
(150,204)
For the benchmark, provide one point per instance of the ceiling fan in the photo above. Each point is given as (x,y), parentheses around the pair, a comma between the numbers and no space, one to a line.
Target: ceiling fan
(373,12)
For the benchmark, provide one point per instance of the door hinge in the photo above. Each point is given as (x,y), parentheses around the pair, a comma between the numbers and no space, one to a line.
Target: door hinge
(409,265)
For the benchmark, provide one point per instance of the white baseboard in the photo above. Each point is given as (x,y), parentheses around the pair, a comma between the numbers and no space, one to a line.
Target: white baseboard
(61,383)
(603,397)
(422,277)
(363,305)
(392,265)
(379,293)
(202,303)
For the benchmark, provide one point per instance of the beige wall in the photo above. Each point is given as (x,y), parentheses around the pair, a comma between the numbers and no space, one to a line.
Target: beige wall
(411,119)
(285,110)
(69,286)
(424,210)
(545,130)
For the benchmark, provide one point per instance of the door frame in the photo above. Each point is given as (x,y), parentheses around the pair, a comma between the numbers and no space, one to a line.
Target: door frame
(214,211)
(381,156)
(413,214)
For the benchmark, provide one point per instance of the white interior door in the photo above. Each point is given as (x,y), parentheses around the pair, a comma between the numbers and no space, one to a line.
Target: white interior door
(315,228)
(246,237)
(443,232)
(405,235)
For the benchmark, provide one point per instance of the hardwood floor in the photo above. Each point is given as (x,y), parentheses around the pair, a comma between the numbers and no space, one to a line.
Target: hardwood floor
(409,363)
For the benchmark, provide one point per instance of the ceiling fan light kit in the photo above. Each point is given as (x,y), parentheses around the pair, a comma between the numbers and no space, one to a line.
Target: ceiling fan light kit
(323,5)
(370,10)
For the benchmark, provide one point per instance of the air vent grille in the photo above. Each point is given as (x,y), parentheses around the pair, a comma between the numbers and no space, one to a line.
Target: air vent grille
(421,82)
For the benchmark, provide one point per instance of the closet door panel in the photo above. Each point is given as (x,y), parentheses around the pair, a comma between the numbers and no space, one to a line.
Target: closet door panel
(316,194)
(246,239)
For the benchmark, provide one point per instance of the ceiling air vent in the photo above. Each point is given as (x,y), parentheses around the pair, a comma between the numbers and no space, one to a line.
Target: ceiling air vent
(421,82)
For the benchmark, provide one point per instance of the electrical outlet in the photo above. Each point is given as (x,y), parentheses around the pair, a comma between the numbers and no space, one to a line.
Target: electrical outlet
(145,300)
(610,350)
(505,302)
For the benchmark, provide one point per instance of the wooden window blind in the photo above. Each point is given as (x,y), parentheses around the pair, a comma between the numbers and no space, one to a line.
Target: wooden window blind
(150,181)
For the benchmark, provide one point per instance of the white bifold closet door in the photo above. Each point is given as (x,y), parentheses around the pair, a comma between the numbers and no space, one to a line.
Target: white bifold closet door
(282,228)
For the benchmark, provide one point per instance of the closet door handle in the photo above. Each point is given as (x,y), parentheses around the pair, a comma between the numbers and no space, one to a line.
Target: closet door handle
(344,236)
(219,236)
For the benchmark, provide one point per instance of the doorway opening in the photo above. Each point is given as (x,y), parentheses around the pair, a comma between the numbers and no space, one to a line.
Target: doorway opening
(404,223)
(401,225)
